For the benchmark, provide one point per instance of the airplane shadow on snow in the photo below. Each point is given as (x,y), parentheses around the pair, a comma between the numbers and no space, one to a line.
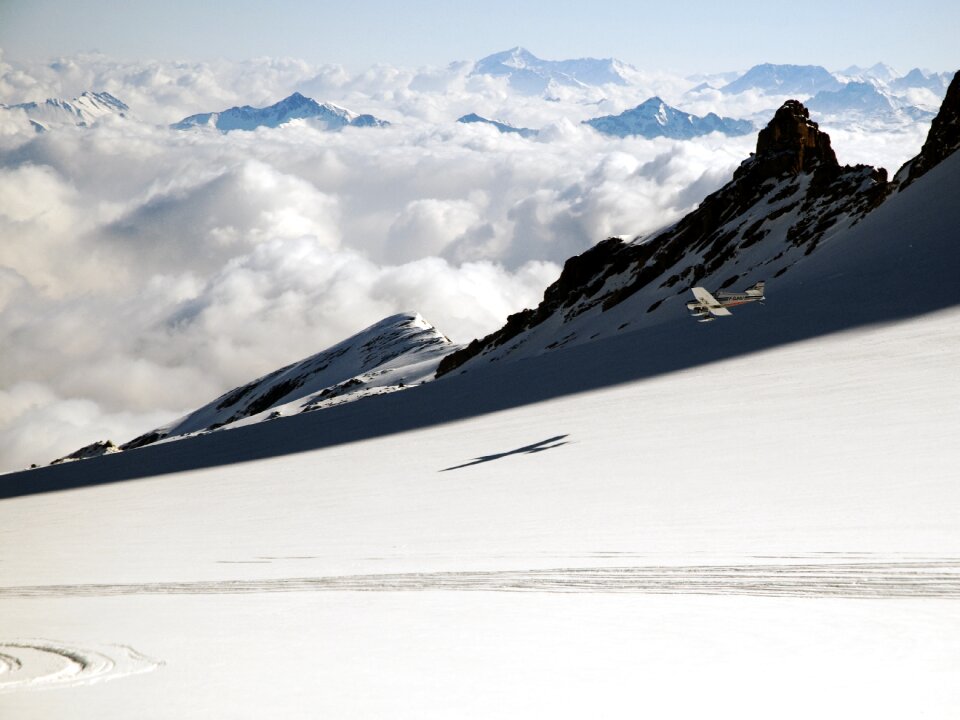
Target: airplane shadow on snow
(893,266)
(536,447)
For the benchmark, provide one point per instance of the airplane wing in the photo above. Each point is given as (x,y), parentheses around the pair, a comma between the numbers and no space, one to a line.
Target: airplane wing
(709,302)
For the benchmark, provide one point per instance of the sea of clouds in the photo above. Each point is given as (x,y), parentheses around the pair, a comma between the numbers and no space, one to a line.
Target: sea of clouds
(144,271)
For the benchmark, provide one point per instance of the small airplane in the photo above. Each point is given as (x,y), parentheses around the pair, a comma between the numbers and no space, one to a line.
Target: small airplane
(708,308)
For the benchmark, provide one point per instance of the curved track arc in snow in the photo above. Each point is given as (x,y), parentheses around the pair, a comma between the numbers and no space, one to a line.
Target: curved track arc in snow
(41,664)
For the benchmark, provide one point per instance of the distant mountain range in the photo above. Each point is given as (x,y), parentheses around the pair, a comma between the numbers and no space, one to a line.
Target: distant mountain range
(864,99)
(82,111)
(808,80)
(502,127)
(804,80)
(294,107)
(654,118)
(530,75)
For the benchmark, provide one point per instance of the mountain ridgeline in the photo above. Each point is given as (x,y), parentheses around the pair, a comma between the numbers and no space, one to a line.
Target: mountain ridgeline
(654,118)
(294,107)
(786,199)
(398,351)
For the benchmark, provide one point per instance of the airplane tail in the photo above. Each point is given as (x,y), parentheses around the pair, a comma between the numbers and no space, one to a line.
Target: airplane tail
(756,290)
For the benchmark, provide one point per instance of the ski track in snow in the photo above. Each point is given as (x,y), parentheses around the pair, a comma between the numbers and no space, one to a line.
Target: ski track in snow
(932,578)
(42,664)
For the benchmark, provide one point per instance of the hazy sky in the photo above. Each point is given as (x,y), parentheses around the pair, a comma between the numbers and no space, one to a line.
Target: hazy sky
(697,35)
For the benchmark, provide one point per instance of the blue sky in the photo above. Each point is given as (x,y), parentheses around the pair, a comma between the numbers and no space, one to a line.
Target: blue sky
(683,36)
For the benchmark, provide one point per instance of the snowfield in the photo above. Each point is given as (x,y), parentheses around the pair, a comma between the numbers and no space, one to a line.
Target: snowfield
(754,518)
(718,540)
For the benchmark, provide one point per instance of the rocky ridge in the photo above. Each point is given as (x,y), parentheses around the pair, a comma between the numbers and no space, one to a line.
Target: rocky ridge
(785,199)
(395,353)
(942,140)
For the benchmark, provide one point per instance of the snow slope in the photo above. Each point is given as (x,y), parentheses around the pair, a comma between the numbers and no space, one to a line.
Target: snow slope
(396,352)
(779,520)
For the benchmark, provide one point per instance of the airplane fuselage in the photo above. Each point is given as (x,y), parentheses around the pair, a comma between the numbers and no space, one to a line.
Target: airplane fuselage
(706,306)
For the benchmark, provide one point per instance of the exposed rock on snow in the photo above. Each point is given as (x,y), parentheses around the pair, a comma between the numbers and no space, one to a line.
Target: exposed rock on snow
(397,352)
(102,447)
(529,74)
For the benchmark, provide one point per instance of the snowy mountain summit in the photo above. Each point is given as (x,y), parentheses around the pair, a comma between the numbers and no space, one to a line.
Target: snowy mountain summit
(654,118)
(866,100)
(395,353)
(796,80)
(294,107)
(531,75)
(473,118)
(83,111)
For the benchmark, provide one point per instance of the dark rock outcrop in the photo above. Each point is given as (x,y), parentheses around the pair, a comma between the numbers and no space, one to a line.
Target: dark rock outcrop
(790,143)
(101,447)
(942,140)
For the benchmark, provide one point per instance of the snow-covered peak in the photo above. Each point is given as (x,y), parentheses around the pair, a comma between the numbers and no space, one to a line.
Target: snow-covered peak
(472,118)
(294,107)
(654,118)
(532,75)
(862,98)
(800,80)
(397,352)
(82,111)
(880,74)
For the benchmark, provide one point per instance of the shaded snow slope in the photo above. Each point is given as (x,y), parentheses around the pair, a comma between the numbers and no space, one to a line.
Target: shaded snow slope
(390,355)
(746,527)
(295,107)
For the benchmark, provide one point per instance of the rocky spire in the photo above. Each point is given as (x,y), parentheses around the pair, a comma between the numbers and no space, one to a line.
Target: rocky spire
(791,143)
(942,140)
